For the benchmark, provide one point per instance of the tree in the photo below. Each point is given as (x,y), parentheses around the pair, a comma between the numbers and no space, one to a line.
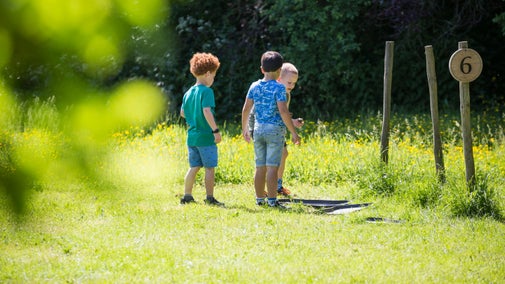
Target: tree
(339,49)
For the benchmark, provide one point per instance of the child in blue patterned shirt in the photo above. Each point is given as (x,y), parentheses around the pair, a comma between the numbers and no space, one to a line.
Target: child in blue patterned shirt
(271,119)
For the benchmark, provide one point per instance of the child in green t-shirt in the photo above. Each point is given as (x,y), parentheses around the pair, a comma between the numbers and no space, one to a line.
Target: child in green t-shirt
(202,136)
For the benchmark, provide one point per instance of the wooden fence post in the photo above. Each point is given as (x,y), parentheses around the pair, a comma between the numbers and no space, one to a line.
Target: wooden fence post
(388,78)
(432,84)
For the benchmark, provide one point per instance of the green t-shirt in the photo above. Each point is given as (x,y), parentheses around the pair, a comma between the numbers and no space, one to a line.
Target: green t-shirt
(194,101)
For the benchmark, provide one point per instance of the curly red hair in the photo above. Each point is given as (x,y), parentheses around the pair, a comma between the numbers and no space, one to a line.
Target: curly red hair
(202,63)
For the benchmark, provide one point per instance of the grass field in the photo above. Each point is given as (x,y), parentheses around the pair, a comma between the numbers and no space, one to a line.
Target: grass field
(117,219)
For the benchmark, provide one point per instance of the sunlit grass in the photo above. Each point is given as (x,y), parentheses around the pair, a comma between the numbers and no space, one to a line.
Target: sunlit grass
(115,216)
(137,159)
(340,154)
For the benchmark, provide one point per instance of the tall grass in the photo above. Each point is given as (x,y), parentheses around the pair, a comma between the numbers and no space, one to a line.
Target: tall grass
(341,154)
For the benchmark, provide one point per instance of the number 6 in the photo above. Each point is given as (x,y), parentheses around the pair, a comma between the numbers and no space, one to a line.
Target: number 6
(464,64)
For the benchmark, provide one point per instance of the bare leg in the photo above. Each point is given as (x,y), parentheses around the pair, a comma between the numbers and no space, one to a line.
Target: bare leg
(280,172)
(209,181)
(259,181)
(272,181)
(189,180)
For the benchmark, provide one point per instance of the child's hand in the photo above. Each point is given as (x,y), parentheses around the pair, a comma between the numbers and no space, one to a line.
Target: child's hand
(296,139)
(298,123)
(217,137)
(246,135)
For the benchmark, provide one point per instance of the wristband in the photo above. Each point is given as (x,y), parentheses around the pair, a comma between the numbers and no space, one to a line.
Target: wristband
(215,131)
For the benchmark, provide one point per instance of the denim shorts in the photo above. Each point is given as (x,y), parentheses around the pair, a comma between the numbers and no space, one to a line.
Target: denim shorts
(268,143)
(205,156)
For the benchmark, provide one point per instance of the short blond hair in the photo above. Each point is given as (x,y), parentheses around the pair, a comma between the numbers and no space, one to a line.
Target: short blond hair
(288,68)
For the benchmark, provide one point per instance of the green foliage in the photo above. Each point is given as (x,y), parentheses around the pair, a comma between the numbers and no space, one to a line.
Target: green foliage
(78,41)
(338,47)
(68,52)
(321,39)
(500,19)
(235,31)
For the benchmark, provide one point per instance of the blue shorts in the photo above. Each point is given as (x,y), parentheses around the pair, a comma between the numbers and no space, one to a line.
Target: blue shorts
(205,156)
(268,140)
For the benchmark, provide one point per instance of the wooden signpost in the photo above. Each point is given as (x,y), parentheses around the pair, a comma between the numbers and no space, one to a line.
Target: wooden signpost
(465,66)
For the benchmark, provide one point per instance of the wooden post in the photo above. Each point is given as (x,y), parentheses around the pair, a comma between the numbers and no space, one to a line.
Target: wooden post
(465,66)
(388,78)
(432,84)
(466,129)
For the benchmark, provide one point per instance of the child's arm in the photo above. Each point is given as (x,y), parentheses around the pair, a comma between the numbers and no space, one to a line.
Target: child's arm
(286,118)
(246,110)
(212,123)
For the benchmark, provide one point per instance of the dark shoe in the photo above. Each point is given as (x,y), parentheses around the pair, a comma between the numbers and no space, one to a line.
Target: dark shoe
(284,191)
(213,201)
(261,203)
(187,199)
(278,205)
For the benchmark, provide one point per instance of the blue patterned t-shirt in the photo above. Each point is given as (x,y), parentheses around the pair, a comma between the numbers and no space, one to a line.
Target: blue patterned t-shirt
(265,95)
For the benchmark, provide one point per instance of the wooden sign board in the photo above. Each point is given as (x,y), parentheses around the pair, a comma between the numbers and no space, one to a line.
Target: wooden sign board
(465,65)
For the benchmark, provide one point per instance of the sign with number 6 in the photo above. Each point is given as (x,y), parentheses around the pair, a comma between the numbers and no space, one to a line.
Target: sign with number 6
(465,65)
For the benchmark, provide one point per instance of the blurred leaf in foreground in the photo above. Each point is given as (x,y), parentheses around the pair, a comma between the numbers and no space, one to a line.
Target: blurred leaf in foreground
(69,51)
